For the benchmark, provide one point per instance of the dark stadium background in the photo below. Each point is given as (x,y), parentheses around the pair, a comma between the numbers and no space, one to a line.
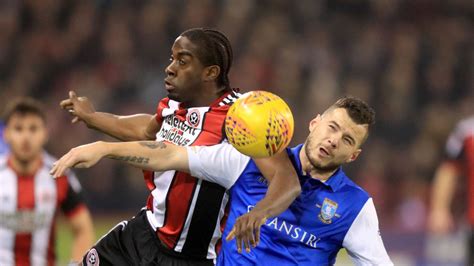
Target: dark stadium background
(411,59)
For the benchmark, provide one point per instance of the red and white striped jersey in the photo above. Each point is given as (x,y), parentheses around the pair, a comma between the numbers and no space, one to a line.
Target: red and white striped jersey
(460,147)
(28,206)
(187,213)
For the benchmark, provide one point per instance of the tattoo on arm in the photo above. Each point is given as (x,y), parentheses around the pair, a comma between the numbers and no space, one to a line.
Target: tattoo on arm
(153,144)
(132,159)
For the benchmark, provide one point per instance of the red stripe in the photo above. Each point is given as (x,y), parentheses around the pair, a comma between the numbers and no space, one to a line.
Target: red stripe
(164,103)
(51,255)
(62,187)
(179,198)
(148,176)
(25,202)
(469,153)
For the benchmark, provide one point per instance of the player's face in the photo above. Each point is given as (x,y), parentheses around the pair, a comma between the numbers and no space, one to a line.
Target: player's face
(334,139)
(184,74)
(26,136)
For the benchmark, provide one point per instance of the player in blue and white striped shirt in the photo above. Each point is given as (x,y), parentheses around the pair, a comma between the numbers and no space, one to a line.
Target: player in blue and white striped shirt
(331,213)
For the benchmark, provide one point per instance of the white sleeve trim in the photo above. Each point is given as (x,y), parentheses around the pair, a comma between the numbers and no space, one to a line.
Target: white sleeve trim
(363,241)
(221,164)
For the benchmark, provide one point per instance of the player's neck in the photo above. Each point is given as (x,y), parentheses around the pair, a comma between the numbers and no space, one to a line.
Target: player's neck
(309,169)
(22,167)
(207,97)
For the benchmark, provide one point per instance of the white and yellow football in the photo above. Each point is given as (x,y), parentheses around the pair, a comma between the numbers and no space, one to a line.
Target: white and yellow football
(259,124)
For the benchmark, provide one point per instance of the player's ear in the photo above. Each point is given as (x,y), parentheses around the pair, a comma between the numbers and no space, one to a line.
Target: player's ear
(354,156)
(211,72)
(314,122)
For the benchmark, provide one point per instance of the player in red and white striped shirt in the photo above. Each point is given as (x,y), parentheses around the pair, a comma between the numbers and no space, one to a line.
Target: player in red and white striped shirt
(459,162)
(30,197)
(184,215)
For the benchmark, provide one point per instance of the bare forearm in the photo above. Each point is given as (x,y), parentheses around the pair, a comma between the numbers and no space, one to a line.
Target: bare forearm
(125,128)
(279,196)
(83,232)
(82,242)
(148,155)
(444,186)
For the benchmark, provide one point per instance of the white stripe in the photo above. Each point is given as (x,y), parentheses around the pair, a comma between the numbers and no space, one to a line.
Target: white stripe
(211,250)
(173,106)
(184,233)
(151,219)
(162,184)
(8,205)
(45,204)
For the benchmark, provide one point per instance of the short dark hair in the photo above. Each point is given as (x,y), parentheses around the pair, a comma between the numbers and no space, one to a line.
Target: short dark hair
(214,49)
(23,106)
(358,110)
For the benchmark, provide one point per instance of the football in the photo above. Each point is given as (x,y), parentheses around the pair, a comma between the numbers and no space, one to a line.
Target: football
(259,124)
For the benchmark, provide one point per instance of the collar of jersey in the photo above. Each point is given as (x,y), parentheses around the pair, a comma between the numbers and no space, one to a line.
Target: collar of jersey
(334,182)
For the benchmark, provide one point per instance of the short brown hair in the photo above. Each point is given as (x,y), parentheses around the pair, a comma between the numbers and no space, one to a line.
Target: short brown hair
(359,111)
(23,106)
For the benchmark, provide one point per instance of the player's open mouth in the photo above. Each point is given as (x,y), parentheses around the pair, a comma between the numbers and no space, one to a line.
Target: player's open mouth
(324,152)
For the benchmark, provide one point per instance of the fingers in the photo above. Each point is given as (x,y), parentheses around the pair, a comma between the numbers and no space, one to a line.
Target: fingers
(65,103)
(231,235)
(72,95)
(257,235)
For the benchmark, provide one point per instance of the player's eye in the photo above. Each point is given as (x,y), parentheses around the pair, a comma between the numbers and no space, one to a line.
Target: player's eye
(181,62)
(348,141)
(332,127)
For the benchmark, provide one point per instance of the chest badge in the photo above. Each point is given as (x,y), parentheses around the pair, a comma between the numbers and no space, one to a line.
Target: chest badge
(328,211)
(194,117)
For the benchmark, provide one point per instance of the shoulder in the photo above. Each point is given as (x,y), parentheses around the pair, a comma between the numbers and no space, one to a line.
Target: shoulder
(465,127)
(354,192)
(226,100)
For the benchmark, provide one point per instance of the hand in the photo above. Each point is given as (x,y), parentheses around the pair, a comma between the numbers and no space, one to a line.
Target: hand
(247,229)
(440,222)
(79,107)
(83,156)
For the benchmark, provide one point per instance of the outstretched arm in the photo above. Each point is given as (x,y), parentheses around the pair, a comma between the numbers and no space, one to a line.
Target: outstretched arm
(131,127)
(83,233)
(283,189)
(440,219)
(147,155)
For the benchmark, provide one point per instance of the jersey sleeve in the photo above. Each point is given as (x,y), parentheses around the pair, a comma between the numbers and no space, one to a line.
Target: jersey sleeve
(72,199)
(221,164)
(363,241)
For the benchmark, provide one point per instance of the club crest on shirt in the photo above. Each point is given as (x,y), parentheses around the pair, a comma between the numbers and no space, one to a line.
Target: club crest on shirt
(328,211)
(193,117)
(92,258)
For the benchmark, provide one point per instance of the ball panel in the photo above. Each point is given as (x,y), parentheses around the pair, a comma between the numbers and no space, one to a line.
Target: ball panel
(259,124)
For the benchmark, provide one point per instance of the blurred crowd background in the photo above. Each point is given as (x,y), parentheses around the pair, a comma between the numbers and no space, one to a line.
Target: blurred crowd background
(410,59)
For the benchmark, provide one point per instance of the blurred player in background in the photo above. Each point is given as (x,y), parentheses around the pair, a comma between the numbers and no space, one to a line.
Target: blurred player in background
(184,215)
(460,161)
(331,213)
(30,198)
